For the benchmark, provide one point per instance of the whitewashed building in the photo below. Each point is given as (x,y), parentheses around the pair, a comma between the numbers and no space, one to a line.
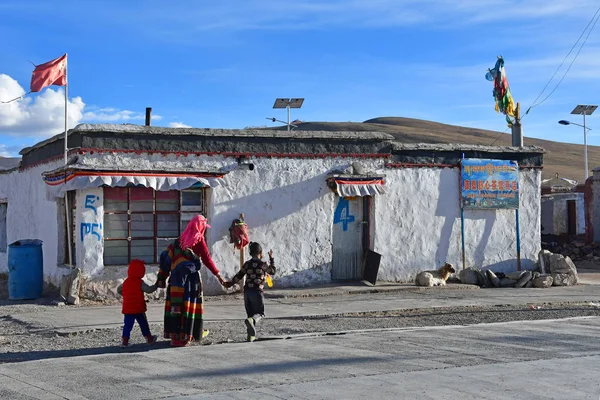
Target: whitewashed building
(318,199)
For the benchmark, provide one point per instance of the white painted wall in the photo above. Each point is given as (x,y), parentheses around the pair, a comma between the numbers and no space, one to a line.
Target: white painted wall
(89,232)
(286,202)
(289,208)
(547,214)
(418,225)
(557,203)
(31,216)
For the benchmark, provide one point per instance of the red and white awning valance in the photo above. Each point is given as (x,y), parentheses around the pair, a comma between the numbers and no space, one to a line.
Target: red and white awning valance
(59,183)
(357,187)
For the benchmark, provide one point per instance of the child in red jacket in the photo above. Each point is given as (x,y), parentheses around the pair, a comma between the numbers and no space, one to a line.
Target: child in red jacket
(134,302)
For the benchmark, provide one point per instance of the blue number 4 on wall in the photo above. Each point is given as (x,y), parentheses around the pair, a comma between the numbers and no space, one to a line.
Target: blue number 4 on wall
(342,214)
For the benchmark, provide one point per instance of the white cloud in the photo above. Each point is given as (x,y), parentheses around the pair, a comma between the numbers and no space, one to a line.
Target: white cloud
(115,115)
(4,151)
(177,20)
(38,116)
(43,115)
(178,125)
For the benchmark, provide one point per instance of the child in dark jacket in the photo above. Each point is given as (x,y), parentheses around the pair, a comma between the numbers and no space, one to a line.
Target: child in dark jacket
(134,302)
(255,271)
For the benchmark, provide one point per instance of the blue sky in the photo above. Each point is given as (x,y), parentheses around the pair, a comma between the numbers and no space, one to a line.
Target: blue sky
(222,65)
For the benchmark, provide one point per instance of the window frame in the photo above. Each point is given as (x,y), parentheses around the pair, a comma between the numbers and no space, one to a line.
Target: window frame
(181,212)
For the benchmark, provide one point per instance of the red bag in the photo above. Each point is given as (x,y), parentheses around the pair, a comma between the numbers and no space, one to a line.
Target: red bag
(239,234)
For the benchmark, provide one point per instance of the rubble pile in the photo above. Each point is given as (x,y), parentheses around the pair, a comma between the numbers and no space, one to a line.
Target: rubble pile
(576,250)
(552,270)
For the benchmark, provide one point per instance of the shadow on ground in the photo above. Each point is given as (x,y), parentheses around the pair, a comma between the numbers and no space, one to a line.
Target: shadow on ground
(48,354)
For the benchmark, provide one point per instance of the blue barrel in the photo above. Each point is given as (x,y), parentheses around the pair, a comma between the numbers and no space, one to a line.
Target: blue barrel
(25,269)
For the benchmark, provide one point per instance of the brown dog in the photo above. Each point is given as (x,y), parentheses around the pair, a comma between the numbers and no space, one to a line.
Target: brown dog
(435,277)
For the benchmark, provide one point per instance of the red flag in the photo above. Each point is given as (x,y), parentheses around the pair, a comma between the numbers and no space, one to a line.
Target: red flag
(51,73)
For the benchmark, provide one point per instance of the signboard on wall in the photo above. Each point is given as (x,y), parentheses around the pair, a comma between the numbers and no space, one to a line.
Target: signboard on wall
(489,184)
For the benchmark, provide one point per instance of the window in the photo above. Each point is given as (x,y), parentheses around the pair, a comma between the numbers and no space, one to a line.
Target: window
(139,222)
(3,229)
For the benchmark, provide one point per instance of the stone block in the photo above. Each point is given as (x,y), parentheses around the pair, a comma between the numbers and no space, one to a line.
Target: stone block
(523,279)
(493,278)
(507,282)
(564,279)
(74,287)
(468,276)
(561,266)
(515,275)
(543,281)
(544,261)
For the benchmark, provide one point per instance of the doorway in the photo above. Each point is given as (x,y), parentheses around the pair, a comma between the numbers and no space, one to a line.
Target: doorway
(350,237)
(572,217)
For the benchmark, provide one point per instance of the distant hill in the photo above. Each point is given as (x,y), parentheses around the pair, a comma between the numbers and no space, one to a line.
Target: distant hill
(7,163)
(563,158)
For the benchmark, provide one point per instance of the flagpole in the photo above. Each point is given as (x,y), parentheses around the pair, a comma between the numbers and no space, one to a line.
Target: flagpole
(70,251)
(66,106)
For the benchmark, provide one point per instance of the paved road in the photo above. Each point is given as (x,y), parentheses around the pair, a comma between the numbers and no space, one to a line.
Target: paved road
(76,319)
(557,359)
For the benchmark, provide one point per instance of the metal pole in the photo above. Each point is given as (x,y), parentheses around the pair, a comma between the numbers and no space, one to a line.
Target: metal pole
(288,110)
(242,260)
(66,108)
(462,213)
(517,128)
(462,231)
(68,219)
(518,241)
(585,147)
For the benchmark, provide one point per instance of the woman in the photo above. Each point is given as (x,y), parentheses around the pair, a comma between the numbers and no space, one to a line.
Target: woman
(183,305)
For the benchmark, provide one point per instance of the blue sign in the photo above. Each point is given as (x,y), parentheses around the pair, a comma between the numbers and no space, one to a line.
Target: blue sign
(342,214)
(489,184)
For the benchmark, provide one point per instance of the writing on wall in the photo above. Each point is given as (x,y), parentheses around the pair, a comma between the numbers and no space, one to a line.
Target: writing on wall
(342,215)
(91,228)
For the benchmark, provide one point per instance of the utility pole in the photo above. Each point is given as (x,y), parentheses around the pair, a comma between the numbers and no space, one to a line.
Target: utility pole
(517,128)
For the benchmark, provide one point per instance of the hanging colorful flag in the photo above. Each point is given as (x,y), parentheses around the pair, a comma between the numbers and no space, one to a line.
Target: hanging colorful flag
(504,100)
(51,73)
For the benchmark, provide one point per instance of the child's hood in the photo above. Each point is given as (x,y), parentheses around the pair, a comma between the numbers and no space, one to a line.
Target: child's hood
(136,269)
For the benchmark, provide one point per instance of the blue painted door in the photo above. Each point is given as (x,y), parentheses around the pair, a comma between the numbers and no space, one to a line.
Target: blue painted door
(348,228)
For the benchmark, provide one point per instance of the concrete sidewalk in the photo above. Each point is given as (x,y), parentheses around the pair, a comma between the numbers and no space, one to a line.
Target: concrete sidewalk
(69,319)
(525,360)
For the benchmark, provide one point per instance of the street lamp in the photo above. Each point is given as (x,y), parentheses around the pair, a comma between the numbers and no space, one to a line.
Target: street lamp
(582,109)
(283,122)
(288,103)
(565,122)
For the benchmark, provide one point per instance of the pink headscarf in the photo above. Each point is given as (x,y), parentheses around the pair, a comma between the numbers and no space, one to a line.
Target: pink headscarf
(194,232)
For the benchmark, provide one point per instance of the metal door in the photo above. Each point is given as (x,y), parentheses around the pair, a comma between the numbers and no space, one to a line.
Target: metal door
(348,228)
(572,217)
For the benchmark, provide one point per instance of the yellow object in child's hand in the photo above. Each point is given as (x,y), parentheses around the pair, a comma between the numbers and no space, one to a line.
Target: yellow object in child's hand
(269,281)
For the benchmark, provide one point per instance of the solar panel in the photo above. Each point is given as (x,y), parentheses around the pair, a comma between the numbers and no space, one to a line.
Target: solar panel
(296,103)
(292,103)
(281,103)
(589,110)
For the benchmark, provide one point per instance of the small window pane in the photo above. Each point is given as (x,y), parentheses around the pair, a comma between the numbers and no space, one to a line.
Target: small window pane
(142,199)
(192,198)
(143,249)
(115,252)
(142,225)
(161,245)
(115,226)
(167,225)
(167,201)
(186,218)
(115,199)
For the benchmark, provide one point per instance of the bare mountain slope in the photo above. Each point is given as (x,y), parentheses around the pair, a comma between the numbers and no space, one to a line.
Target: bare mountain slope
(563,158)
